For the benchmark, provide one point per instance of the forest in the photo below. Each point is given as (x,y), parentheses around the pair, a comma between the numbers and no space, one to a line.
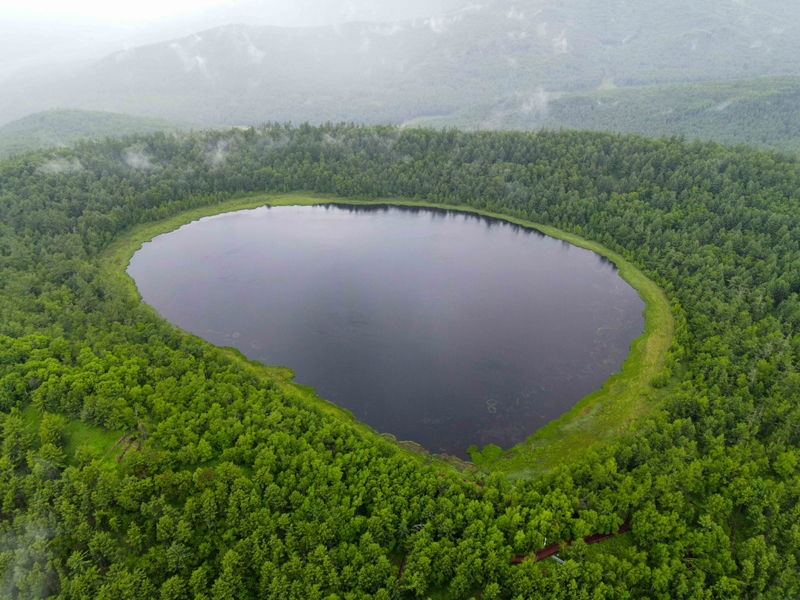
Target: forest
(245,71)
(231,485)
(65,127)
(762,112)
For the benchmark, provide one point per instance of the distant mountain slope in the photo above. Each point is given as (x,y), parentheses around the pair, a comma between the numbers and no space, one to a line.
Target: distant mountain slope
(763,112)
(58,128)
(317,13)
(30,40)
(391,72)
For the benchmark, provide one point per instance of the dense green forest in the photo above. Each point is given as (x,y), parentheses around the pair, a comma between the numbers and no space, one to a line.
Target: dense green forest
(232,486)
(762,112)
(65,127)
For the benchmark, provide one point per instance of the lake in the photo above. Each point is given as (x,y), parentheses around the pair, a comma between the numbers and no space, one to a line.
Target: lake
(437,326)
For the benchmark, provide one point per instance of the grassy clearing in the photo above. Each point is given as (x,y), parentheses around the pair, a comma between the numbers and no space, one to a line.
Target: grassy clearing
(598,417)
(100,443)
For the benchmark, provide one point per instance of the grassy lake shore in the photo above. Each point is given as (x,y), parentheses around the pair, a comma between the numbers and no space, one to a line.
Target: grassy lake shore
(598,417)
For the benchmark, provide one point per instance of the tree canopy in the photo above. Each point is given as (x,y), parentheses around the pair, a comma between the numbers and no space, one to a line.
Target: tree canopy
(230,486)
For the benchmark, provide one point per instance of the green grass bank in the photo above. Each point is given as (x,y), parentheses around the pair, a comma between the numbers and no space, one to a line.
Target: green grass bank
(596,418)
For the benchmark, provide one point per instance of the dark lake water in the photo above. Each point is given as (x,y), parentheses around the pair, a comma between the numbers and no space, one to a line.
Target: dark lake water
(441,327)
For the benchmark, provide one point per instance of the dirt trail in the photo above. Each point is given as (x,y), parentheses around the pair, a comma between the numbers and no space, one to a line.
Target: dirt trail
(552,549)
(547,551)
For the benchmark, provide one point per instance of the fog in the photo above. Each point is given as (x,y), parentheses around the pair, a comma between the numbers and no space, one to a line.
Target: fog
(473,64)
(46,32)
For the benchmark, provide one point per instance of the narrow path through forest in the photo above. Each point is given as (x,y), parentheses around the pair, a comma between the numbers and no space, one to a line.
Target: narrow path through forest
(552,549)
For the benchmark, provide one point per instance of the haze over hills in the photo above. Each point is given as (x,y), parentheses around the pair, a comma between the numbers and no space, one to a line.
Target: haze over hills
(61,128)
(400,70)
(46,43)
(763,112)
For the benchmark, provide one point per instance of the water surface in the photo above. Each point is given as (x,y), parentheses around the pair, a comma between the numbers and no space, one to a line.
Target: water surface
(441,327)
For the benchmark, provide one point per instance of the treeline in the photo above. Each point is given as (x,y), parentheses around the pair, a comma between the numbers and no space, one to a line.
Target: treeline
(64,127)
(768,117)
(232,487)
(763,112)
(393,72)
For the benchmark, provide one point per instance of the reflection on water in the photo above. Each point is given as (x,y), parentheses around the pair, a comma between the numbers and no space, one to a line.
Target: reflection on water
(442,327)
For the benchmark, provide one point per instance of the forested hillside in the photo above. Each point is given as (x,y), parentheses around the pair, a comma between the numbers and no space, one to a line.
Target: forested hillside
(65,127)
(763,112)
(243,73)
(232,486)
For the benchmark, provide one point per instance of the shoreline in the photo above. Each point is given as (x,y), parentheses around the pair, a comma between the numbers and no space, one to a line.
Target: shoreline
(603,414)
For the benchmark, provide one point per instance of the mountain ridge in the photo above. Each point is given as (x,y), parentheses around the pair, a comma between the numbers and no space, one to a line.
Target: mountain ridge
(60,128)
(375,72)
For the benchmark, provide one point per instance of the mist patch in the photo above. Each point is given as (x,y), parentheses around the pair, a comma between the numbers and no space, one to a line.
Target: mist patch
(60,166)
(136,159)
